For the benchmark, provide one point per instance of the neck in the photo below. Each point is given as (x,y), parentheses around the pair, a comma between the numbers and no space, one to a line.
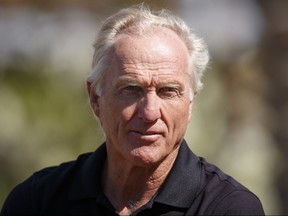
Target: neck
(129,187)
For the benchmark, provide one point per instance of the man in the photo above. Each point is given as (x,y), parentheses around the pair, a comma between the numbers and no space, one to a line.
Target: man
(146,72)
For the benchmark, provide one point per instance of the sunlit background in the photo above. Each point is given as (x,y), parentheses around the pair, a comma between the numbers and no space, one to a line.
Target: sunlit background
(240,119)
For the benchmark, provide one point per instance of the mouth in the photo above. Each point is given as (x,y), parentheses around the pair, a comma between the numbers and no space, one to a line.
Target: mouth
(147,135)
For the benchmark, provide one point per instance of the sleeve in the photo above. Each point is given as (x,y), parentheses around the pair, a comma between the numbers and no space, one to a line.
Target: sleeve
(239,202)
(19,201)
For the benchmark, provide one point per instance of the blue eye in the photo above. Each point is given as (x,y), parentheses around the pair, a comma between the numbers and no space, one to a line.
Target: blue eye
(132,90)
(168,92)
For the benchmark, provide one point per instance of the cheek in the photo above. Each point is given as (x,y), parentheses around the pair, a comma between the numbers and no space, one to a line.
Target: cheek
(177,117)
(181,122)
(115,116)
(127,112)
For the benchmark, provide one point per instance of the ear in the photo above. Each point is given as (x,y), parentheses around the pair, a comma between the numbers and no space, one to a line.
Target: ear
(190,110)
(94,99)
(192,98)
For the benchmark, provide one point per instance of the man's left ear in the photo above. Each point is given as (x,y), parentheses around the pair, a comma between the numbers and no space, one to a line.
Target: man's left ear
(94,99)
(190,110)
(192,98)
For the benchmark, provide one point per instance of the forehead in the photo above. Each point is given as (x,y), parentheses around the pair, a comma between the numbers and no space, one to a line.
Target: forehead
(155,50)
(161,41)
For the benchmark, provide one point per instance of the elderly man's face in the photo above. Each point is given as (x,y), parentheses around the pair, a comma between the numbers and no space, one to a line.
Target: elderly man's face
(146,105)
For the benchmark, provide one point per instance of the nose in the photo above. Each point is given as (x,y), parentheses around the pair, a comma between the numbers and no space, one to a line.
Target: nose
(149,108)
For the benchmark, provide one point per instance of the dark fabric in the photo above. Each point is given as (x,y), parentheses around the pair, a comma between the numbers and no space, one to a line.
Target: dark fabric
(193,187)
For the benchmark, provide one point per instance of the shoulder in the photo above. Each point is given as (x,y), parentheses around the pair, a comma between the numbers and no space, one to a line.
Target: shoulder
(222,194)
(28,196)
(56,175)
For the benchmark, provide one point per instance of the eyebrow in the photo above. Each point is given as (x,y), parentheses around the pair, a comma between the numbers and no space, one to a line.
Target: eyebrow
(130,81)
(124,81)
(172,85)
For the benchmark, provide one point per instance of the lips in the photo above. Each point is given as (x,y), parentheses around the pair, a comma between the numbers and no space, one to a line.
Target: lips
(147,135)
(150,132)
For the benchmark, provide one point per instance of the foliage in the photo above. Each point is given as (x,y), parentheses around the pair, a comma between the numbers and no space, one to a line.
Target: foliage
(45,119)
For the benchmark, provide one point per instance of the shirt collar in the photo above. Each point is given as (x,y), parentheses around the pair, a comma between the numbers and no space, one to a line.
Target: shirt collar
(179,189)
(183,182)
(87,183)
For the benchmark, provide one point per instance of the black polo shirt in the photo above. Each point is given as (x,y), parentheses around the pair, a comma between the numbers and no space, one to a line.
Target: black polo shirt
(193,187)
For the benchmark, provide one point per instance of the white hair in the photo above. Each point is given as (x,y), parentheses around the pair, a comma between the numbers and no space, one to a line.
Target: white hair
(142,17)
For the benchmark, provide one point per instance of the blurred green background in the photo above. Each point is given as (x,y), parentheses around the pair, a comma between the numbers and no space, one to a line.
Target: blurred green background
(240,119)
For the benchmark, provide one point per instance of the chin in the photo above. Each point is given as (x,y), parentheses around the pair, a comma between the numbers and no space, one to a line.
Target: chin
(146,157)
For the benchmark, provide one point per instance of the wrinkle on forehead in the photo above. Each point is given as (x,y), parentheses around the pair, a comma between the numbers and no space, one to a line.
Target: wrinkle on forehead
(143,66)
(151,72)
(153,57)
(161,40)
